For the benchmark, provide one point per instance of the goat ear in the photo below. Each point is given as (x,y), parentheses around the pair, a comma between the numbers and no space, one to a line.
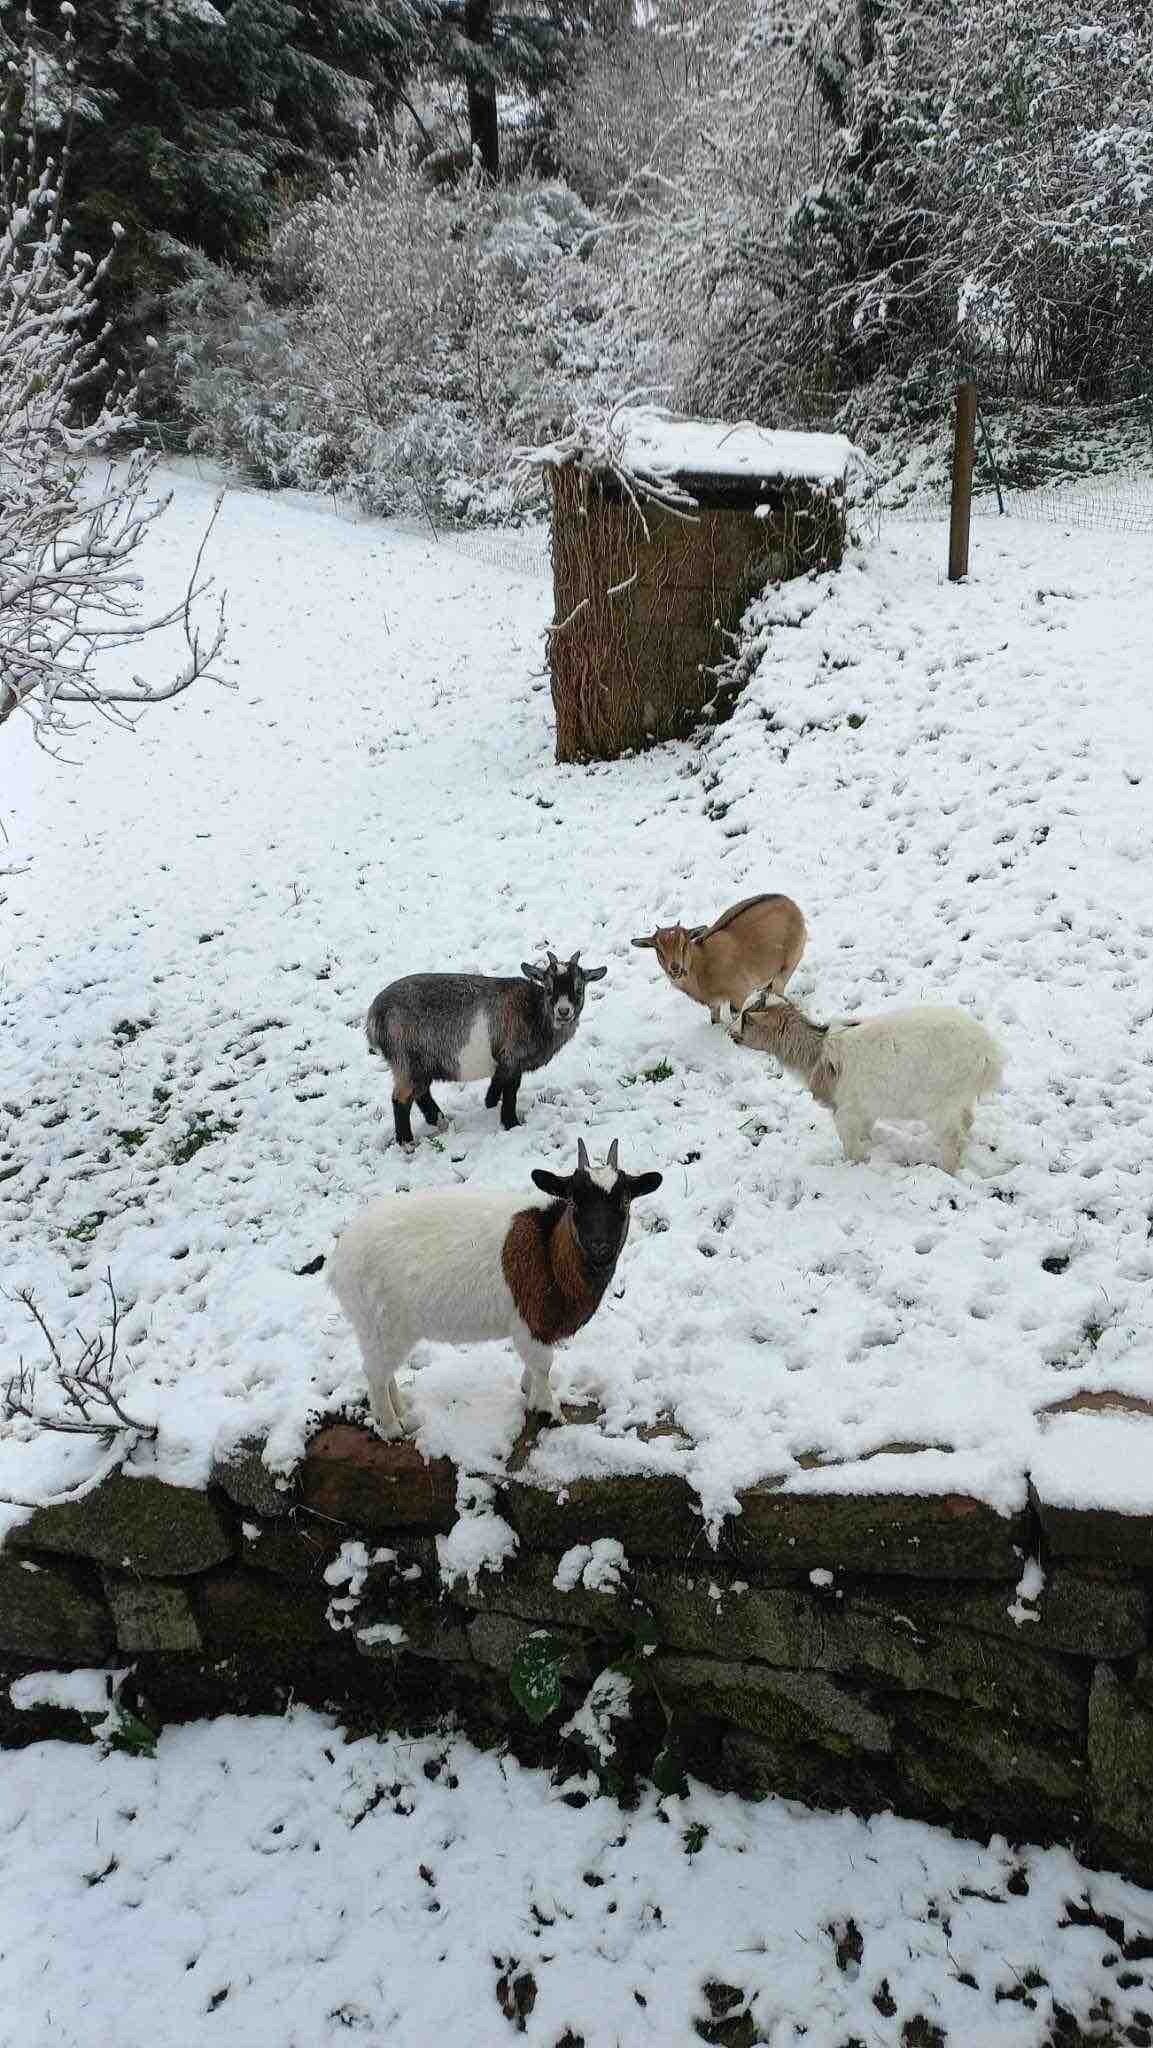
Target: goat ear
(595,973)
(551,1183)
(651,941)
(641,1184)
(531,971)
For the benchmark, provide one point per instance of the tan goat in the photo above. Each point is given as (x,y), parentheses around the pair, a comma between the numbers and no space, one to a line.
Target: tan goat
(754,944)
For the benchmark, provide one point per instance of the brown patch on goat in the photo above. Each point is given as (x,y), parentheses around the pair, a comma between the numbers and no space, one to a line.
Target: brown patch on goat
(546,1275)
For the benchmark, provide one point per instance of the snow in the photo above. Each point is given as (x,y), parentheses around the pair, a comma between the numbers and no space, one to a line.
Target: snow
(654,440)
(82,1692)
(606,1701)
(597,1566)
(273,1884)
(1029,1589)
(953,781)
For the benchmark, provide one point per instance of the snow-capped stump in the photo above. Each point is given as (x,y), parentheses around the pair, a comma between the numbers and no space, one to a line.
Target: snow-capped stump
(663,529)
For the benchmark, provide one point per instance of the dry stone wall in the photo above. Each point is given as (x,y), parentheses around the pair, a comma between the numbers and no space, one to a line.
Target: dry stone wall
(870,1651)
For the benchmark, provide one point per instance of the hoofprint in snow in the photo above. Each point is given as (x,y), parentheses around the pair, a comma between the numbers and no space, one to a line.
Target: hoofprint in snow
(272,1884)
(955,785)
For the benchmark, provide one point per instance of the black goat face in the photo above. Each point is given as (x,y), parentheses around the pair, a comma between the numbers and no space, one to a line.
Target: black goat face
(564,987)
(601,1198)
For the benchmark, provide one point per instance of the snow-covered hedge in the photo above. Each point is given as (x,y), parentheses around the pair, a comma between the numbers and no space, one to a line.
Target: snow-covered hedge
(405,339)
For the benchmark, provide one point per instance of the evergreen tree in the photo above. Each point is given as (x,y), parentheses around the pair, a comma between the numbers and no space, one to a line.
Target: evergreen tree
(188,119)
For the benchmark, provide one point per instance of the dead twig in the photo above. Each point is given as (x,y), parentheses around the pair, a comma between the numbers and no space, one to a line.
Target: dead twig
(91,1403)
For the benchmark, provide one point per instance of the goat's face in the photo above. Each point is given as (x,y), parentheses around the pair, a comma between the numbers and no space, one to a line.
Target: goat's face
(600,1199)
(763,1019)
(673,946)
(563,987)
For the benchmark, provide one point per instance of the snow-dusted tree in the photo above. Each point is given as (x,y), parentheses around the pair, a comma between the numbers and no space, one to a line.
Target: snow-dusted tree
(434,329)
(69,589)
(875,195)
(188,120)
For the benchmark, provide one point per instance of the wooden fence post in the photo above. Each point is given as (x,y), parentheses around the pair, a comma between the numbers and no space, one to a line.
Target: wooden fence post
(961,502)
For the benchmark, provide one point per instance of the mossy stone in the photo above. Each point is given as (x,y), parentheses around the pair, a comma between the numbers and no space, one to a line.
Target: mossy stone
(44,1614)
(136,1525)
(787,1706)
(935,1536)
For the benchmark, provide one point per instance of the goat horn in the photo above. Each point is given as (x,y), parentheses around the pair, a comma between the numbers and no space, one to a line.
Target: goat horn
(612,1161)
(575,957)
(553,962)
(582,1157)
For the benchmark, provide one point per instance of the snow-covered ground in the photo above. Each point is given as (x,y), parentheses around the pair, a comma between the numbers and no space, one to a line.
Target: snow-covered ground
(954,783)
(272,1884)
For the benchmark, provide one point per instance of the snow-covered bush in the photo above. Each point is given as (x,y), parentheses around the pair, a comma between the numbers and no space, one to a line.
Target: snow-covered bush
(431,331)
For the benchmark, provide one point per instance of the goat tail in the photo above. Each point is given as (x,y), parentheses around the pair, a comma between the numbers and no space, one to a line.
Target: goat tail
(376,1027)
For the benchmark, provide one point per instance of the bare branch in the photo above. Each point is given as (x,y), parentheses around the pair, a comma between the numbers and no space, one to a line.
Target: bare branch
(69,584)
(87,1388)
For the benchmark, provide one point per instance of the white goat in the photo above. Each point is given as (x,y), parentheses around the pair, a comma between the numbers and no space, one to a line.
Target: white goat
(461,1268)
(927,1065)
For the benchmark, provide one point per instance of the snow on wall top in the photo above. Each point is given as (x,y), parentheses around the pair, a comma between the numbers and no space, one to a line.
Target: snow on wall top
(658,441)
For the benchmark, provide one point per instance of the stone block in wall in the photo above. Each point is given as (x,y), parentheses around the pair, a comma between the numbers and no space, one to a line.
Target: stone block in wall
(1109,1435)
(44,1614)
(356,1478)
(972,1760)
(136,1525)
(704,1609)
(250,1616)
(300,1548)
(788,1706)
(249,1484)
(496,1640)
(1083,1613)
(652,1515)
(1121,1753)
(431,1630)
(1100,1536)
(936,1536)
(1034,1685)
(756,1767)
(150,1616)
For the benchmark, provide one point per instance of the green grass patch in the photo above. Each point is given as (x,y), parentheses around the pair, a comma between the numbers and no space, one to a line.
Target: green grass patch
(203,1129)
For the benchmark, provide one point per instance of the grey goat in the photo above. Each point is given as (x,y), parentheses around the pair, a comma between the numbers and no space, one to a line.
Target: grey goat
(472,1027)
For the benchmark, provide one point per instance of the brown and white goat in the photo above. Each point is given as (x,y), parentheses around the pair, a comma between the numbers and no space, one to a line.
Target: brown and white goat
(926,1065)
(462,1268)
(754,944)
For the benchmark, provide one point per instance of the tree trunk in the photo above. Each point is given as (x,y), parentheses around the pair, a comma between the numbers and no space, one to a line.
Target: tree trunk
(482,128)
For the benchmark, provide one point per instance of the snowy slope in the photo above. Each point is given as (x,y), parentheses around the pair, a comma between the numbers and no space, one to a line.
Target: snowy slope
(197,916)
(271,1884)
